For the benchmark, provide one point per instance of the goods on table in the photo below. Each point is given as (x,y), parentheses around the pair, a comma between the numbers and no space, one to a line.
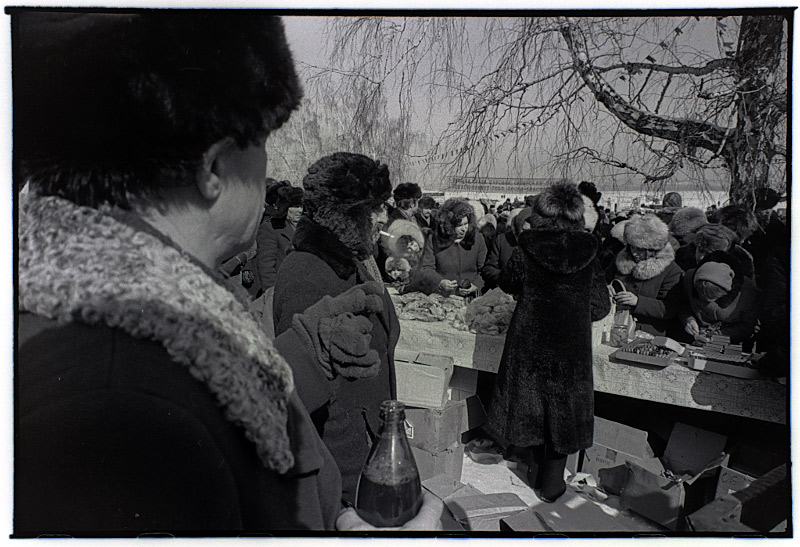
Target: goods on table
(720,349)
(660,351)
(433,307)
(488,314)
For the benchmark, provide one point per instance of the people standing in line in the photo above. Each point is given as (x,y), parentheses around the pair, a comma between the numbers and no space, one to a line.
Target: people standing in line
(455,254)
(405,195)
(544,392)
(149,399)
(343,213)
(647,269)
(275,234)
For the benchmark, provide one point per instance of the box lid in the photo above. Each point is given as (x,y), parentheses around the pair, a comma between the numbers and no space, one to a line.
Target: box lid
(691,449)
(622,438)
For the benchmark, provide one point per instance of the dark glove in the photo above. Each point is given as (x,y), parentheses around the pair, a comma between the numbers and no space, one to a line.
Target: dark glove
(248,278)
(338,335)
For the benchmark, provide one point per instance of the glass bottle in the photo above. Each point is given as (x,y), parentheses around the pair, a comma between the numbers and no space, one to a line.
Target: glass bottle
(389,491)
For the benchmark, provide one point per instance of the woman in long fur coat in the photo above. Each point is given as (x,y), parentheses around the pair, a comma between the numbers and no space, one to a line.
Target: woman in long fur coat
(543,398)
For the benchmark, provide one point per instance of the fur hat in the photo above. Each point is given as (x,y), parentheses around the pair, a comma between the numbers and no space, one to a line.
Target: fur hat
(589,190)
(618,231)
(287,196)
(407,190)
(559,208)
(450,213)
(739,219)
(487,219)
(672,199)
(715,237)
(272,190)
(686,221)
(426,202)
(717,273)
(646,231)
(341,192)
(397,229)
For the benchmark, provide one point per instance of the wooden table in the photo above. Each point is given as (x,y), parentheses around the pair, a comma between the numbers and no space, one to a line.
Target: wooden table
(761,399)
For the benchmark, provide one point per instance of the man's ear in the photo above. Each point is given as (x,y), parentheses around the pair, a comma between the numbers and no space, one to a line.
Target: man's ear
(209,179)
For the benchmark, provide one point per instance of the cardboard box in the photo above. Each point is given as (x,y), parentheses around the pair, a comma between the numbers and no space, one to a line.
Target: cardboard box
(484,512)
(424,384)
(435,430)
(718,367)
(688,480)
(464,380)
(614,444)
(445,462)
(731,481)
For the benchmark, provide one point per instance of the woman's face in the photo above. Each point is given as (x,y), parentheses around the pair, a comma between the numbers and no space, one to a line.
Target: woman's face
(640,253)
(293,214)
(462,227)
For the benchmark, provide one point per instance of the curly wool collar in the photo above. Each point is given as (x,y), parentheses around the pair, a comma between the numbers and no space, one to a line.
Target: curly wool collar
(646,269)
(83,265)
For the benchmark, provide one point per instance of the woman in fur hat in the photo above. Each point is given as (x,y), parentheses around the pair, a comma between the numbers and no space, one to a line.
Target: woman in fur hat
(543,398)
(647,269)
(149,398)
(455,254)
(275,234)
(685,223)
(403,244)
(343,213)
(719,299)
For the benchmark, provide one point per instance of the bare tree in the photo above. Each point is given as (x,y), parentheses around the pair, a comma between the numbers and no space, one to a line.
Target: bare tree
(656,97)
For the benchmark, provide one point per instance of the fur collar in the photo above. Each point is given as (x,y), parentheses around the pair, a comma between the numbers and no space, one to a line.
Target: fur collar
(646,269)
(559,252)
(84,265)
(311,237)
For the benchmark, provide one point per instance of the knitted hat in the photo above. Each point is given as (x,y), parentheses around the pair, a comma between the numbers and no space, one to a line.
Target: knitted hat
(686,221)
(407,190)
(589,190)
(717,273)
(647,232)
(559,207)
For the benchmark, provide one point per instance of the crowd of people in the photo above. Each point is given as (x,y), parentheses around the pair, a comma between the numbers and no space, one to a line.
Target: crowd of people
(201,348)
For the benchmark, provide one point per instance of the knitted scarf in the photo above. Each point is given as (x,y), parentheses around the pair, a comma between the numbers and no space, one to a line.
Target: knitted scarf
(78,264)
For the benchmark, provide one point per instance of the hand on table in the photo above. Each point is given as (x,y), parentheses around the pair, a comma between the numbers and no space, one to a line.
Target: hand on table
(428,518)
(691,326)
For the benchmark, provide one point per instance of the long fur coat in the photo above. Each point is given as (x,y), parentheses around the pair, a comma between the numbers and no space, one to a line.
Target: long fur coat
(544,393)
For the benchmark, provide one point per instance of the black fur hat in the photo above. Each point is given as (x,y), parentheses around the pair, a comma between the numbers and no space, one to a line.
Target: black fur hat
(427,202)
(341,192)
(288,196)
(273,186)
(559,207)
(407,190)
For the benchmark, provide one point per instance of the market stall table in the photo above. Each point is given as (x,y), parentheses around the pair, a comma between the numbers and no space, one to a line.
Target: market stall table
(676,384)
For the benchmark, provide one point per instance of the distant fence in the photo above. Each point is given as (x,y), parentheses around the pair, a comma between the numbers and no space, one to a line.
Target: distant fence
(500,185)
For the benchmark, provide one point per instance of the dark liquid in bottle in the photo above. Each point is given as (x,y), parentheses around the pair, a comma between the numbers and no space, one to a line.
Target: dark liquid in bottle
(385,505)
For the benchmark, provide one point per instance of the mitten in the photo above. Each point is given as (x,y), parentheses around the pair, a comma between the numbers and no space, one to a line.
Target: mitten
(338,336)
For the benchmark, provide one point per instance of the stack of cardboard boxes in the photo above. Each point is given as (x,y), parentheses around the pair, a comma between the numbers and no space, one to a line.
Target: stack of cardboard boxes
(441,411)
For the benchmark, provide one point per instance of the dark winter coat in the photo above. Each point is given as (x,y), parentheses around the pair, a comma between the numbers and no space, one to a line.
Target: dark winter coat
(454,261)
(738,311)
(544,393)
(274,240)
(148,398)
(498,255)
(115,437)
(344,410)
(655,282)
(427,226)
